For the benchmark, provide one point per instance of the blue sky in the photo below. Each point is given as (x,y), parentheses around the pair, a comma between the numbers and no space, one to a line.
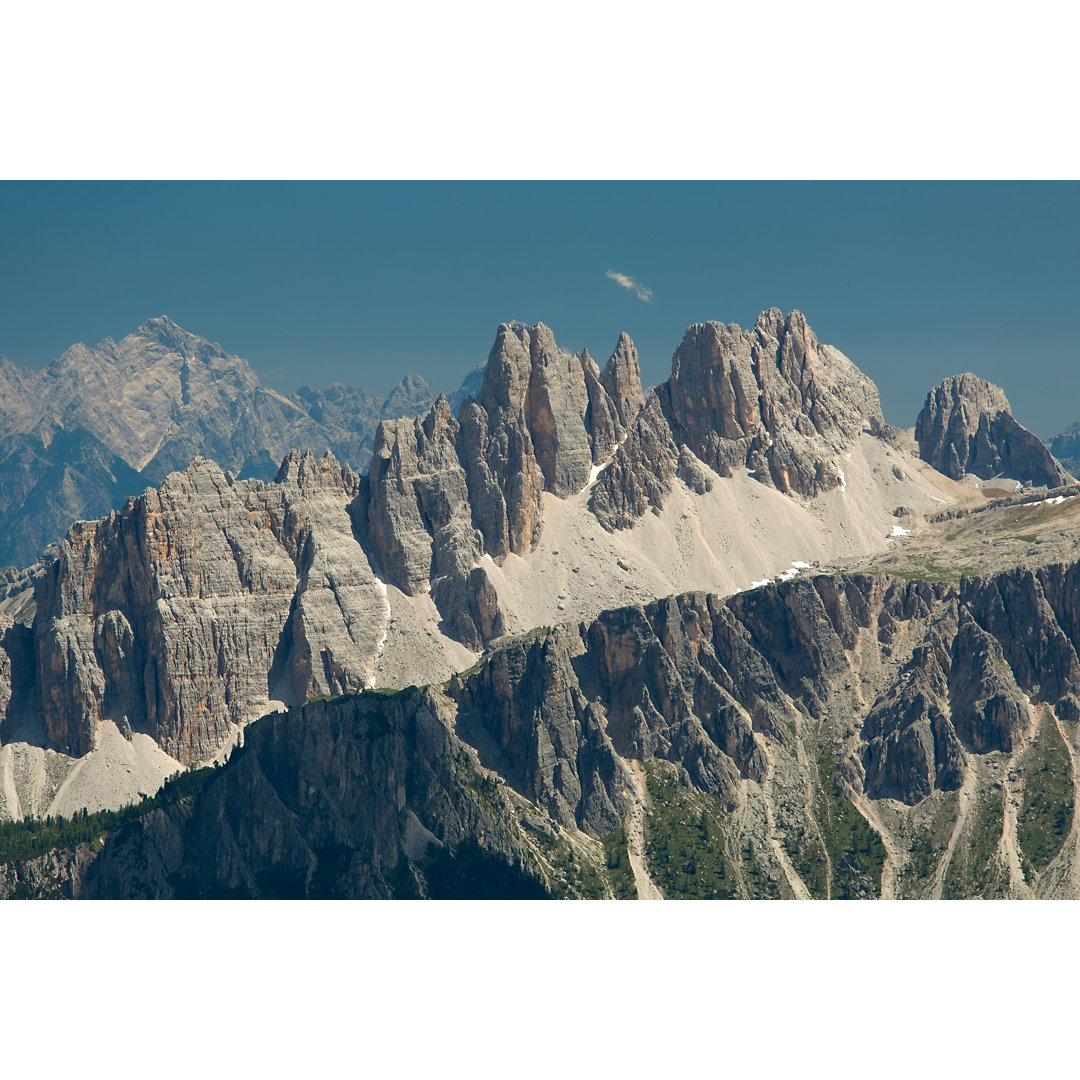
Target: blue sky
(363,282)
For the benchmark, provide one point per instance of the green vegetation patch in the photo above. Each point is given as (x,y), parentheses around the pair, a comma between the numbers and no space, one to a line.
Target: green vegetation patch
(975,869)
(402,881)
(574,876)
(855,849)
(470,872)
(1046,816)
(687,847)
(931,826)
(31,837)
(929,569)
(386,691)
(808,857)
(620,872)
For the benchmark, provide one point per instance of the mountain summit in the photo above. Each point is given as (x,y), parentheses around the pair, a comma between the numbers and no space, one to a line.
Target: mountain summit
(153,401)
(966,427)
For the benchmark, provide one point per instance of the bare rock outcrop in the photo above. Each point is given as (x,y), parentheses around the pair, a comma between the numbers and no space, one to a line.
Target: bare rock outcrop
(966,426)
(443,492)
(418,489)
(621,378)
(101,422)
(417,515)
(746,711)
(640,474)
(771,400)
(187,609)
(542,420)
(281,821)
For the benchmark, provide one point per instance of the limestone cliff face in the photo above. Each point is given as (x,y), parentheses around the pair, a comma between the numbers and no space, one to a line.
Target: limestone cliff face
(943,674)
(418,489)
(324,804)
(966,426)
(99,423)
(640,475)
(771,711)
(444,492)
(180,615)
(190,607)
(771,399)
(541,421)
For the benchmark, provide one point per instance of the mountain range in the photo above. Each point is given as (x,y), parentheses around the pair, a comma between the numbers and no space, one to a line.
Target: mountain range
(569,638)
(100,424)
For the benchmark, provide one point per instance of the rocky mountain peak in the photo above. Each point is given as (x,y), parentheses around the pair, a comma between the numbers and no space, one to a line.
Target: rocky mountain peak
(621,378)
(517,349)
(167,339)
(971,395)
(966,427)
(771,321)
(439,419)
(141,408)
(444,492)
(161,328)
(771,399)
(406,398)
(308,472)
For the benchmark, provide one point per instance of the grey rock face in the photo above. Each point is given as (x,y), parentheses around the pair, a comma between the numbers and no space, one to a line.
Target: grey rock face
(771,399)
(419,521)
(966,426)
(1066,448)
(196,602)
(445,492)
(277,823)
(690,679)
(640,474)
(731,694)
(199,600)
(98,424)
(418,488)
(621,378)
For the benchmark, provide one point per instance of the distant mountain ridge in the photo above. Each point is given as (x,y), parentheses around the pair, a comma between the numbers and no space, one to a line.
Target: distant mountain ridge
(1066,447)
(135,410)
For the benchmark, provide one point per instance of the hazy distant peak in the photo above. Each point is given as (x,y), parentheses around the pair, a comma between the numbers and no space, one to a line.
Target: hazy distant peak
(162,328)
(173,337)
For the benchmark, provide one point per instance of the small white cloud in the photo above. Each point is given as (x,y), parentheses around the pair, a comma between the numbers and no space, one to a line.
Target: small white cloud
(640,291)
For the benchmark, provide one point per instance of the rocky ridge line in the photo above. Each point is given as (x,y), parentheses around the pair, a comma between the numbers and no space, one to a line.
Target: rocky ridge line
(100,423)
(910,692)
(195,606)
